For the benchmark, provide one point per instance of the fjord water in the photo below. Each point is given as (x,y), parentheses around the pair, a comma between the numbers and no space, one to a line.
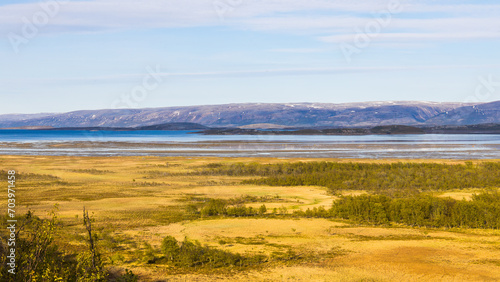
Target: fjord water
(187,143)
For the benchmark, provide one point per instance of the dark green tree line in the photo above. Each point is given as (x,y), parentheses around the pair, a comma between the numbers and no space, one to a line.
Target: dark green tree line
(393,179)
(483,211)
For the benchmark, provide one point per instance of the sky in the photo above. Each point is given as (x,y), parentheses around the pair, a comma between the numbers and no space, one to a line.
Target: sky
(60,56)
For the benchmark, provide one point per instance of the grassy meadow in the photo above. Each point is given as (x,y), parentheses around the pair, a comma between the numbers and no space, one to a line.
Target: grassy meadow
(268,222)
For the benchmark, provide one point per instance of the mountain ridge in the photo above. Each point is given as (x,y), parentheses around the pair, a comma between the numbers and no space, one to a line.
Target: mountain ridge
(360,114)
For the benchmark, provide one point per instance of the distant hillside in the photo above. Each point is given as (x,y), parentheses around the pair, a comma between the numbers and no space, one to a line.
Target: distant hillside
(263,126)
(377,130)
(173,126)
(367,114)
(20,117)
(473,114)
(30,127)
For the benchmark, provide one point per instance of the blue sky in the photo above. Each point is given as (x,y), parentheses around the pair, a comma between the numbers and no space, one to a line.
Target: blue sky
(59,56)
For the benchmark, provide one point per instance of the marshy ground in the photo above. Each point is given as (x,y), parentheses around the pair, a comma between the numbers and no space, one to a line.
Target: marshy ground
(138,200)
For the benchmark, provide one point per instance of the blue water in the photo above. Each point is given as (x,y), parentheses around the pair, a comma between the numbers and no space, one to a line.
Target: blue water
(8,135)
(184,143)
(187,136)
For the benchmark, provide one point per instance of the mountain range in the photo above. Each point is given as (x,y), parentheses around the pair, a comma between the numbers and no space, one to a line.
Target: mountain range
(364,114)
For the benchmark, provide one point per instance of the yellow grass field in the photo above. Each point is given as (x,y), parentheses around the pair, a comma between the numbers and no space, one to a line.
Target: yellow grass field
(140,199)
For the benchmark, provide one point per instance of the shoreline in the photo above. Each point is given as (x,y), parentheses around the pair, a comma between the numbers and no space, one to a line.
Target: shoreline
(260,148)
(490,128)
(268,160)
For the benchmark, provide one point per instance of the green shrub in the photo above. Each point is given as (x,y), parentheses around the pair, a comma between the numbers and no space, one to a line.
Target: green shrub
(129,276)
(192,254)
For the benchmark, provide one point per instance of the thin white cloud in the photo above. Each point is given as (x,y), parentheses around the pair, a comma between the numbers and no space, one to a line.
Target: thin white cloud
(405,37)
(344,24)
(244,73)
(113,14)
(327,20)
(78,16)
(298,50)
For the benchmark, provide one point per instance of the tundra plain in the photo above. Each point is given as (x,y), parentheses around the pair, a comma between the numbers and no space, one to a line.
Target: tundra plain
(138,201)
